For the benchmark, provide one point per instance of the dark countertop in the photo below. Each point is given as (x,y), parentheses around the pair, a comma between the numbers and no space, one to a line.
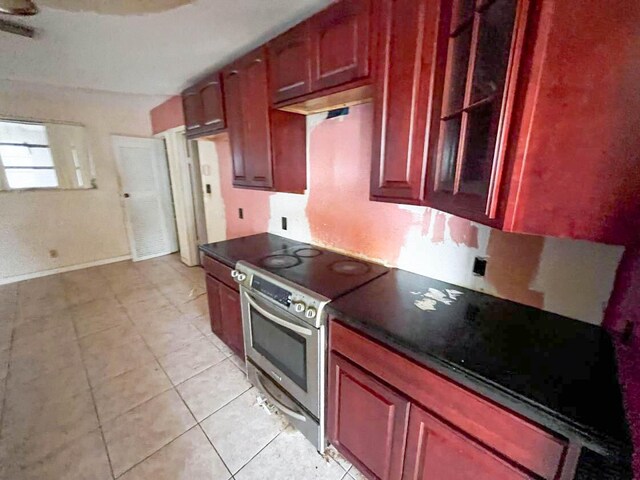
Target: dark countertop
(554,370)
(248,248)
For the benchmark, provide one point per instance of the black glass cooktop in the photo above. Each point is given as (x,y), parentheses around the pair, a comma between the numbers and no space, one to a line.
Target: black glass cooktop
(322,271)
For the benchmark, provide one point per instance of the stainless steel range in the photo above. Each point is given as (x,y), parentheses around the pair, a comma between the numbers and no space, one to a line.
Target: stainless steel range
(284,320)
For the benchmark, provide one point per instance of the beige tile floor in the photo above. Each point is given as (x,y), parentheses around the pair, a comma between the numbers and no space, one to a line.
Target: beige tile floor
(113,372)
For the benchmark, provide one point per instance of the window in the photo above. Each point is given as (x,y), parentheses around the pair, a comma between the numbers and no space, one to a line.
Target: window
(26,156)
(43,155)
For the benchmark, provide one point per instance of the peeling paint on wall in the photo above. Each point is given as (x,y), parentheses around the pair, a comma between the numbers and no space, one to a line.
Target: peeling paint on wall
(336,212)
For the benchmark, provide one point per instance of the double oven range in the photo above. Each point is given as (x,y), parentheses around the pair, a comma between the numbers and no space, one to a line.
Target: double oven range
(283,299)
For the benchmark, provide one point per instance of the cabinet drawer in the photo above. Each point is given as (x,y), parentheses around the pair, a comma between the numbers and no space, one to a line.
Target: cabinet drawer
(219,271)
(513,437)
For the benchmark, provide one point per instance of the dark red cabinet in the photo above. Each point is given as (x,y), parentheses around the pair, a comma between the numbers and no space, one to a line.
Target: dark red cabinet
(408,35)
(326,60)
(263,157)
(224,305)
(435,429)
(203,105)
(482,52)
(438,451)
(340,44)
(290,64)
(213,299)
(367,420)
(231,319)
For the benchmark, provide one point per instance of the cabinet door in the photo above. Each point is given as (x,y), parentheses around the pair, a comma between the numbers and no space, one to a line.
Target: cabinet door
(340,43)
(212,106)
(437,451)
(290,64)
(231,319)
(213,298)
(192,104)
(254,96)
(367,421)
(409,33)
(482,61)
(233,102)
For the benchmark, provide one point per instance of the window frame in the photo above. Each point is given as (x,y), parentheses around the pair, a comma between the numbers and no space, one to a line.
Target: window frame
(89,184)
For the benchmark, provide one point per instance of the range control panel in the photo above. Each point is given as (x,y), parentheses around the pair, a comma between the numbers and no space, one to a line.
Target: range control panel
(276,293)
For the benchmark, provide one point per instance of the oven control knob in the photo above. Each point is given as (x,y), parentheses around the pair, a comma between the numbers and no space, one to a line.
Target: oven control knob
(234,273)
(241,277)
(310,313)
(299,307)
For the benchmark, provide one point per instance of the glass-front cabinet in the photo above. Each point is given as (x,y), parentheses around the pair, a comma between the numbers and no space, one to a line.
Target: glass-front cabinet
(481,55)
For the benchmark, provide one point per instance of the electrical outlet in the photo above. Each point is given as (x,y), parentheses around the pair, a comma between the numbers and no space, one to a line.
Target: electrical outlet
(240,214)
(479,266)
(284,223)
(208,188)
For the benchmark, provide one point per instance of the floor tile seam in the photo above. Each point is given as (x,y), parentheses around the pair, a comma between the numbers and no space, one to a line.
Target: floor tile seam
(216,450)
(259,452)
(195,425)
(95,408)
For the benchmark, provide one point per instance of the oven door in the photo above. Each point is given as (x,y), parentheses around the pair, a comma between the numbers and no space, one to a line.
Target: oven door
(286,348)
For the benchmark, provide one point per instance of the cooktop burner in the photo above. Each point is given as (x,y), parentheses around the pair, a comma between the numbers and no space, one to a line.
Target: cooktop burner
(280,261)
(322,271)
(307,252)
(350,267)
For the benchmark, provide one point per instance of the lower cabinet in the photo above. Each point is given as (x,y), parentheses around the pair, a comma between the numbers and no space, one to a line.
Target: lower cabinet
(367,420)
(231,319)
(224,306)
(438,451)
(395,419)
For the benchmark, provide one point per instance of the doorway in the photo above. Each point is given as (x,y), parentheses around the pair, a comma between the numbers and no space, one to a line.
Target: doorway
(146,194)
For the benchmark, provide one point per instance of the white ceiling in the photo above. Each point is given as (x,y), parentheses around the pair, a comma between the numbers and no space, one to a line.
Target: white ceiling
(156,53)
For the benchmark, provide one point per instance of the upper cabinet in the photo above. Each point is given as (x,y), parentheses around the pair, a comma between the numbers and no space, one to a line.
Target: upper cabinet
(328,53)
(490,110)
(290,64)
(268,147)
(204,108)
(408,36)
(483,56)
(340,44)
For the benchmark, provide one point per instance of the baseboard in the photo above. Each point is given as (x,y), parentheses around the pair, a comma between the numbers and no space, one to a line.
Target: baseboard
(70,268)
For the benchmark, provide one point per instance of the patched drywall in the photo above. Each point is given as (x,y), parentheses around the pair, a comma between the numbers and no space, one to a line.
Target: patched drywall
(568,277)
(84,226)
(169,114)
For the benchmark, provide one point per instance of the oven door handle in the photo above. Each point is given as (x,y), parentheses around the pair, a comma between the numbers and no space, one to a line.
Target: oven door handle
(286,410)
(291,326)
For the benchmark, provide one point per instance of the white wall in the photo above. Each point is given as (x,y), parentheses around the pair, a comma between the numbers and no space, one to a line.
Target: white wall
(84,226)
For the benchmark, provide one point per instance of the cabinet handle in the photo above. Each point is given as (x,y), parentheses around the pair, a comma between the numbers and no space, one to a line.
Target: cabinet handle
(233,72)
(257,60)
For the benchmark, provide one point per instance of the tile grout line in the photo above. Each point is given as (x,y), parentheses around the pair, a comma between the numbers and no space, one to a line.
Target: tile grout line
(170,381)
(93,398)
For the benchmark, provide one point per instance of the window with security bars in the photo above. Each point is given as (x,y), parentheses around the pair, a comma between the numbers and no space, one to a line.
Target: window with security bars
(36,155)
(478,54)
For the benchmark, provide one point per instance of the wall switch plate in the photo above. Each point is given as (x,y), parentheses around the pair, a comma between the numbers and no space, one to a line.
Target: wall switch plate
(240,214)
(284,223)
(479,266)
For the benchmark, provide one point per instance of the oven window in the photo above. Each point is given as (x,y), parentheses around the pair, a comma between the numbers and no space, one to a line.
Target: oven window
(285,349)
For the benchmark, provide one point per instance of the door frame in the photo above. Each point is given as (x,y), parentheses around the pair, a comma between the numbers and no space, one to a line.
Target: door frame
(183,193)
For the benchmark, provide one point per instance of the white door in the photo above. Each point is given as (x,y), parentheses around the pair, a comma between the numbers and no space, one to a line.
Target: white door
(144,179)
